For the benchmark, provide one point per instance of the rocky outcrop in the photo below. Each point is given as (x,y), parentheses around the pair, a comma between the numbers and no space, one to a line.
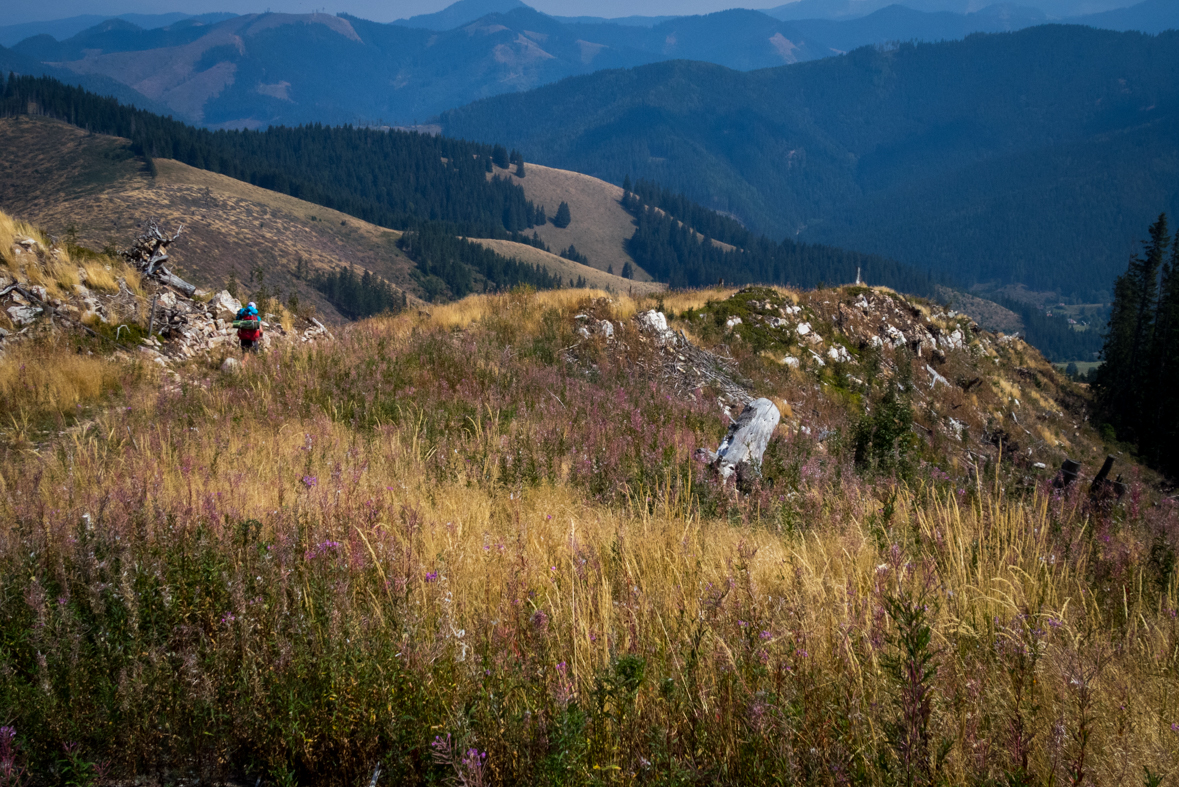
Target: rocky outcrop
(178,326)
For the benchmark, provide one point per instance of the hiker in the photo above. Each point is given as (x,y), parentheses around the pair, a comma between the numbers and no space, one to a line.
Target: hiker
(249,335)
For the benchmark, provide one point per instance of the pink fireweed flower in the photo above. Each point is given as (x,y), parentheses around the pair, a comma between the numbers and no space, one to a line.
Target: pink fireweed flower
(321,549)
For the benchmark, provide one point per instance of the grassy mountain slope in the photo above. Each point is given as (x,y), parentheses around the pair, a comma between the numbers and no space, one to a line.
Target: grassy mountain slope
(473,545)
(1025,136)
(569,270)
(600,227)
(93,188)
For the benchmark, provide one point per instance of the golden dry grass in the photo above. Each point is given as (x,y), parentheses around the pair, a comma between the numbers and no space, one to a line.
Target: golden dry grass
(46,382)
(55,269)
(600,227)
(460,559)
(569,270)
(680,301)
(995,564)
(13,230)
(475,308)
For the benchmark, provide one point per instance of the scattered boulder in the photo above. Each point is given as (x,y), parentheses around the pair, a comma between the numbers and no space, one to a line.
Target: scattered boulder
(231,366)
(953,341)
(23,315)
(655,323)
(839,354)
(224,306)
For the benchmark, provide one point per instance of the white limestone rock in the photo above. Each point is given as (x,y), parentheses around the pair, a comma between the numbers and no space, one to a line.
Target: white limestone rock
(224,304)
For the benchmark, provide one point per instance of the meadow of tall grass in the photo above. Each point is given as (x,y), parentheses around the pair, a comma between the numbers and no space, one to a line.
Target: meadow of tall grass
(455,546)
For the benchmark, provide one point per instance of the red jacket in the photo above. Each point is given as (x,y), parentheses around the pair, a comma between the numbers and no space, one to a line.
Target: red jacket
(253,335)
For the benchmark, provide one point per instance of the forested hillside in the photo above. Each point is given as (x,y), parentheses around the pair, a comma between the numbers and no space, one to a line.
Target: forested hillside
(396,179)
(401,180)
(1030,157)
(673,242)
(438,188)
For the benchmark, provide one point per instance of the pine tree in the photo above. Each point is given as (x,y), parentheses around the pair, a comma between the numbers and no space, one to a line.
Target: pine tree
(1162,405)
(563,217)
(628,272)
(1123,382)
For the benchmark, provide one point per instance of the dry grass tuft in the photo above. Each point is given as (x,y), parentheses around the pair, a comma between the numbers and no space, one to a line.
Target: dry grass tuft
(477,308)
(46,382)
(681,301)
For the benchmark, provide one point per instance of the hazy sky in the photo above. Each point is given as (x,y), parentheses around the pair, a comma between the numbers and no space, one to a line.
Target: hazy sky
(19,11)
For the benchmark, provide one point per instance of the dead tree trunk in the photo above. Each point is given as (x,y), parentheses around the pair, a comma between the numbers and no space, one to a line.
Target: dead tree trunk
(741,451)
(149,252)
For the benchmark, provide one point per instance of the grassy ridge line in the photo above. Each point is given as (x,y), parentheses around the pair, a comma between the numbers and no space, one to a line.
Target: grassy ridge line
(456,543)
(567,269)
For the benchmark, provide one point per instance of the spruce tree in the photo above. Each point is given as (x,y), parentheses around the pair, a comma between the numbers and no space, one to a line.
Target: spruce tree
(563,216)
(499,156)
(1124,378)
(1162,394)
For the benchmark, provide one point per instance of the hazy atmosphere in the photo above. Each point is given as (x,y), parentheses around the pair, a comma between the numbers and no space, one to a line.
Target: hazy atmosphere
(19,11)
(589,394)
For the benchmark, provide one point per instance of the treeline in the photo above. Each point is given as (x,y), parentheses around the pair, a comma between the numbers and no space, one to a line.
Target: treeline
(395,179)
(357,297)
(451,267)
(1137,387)
(672,241)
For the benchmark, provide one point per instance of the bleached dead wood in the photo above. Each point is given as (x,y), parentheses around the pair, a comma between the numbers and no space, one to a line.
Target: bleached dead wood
(741,452)
(149,252)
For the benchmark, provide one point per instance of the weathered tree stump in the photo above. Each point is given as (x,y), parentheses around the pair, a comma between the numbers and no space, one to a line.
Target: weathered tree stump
(149,253)
(740,453)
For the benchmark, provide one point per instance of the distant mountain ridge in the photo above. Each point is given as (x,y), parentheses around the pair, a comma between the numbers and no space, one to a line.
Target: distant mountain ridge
(256,70)
(461,13)
(1056,10)
(62,29)
(1033,157)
